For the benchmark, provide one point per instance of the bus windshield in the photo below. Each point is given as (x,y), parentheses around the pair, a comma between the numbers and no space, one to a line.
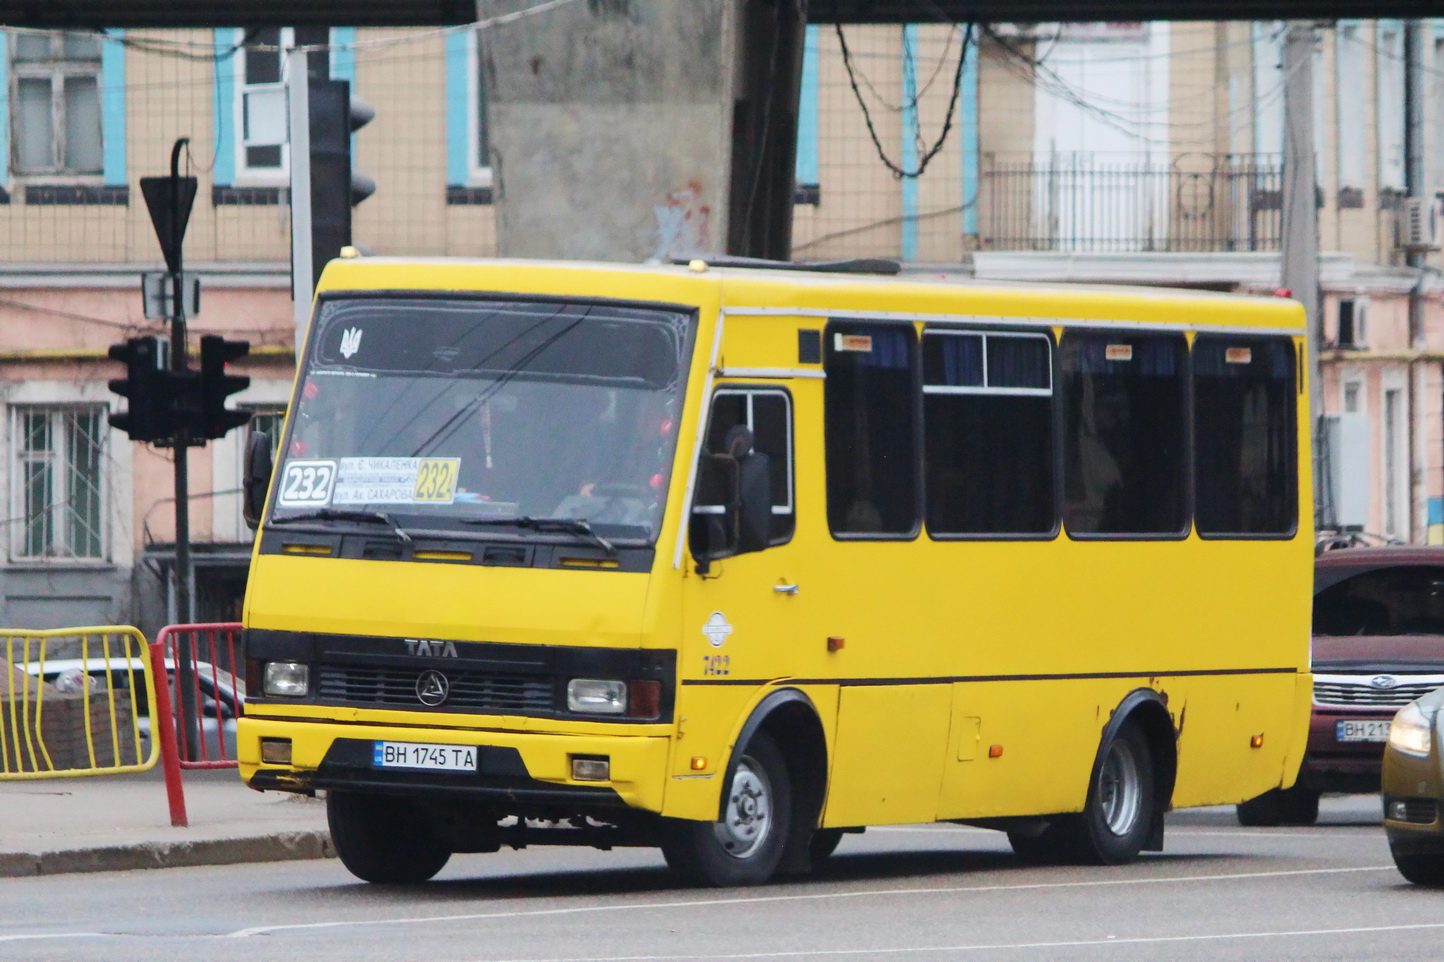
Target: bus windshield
(444,411)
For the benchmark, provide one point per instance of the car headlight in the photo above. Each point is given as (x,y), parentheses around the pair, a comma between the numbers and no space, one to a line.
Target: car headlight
(286,678)
(597,696)
(1411,731)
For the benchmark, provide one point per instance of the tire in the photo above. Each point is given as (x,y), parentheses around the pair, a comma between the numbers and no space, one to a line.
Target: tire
(382,838)
(1426,869)
(1048,847)
(824,843)
(1280,806)
(1261,812)
(745,847)
(1121,807)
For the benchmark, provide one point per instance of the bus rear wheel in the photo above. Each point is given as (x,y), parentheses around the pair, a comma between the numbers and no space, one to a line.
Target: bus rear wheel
(1122,803)
(745,846)
(383,838)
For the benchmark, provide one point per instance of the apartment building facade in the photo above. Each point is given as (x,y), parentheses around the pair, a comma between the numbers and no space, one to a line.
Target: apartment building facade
(1146,153)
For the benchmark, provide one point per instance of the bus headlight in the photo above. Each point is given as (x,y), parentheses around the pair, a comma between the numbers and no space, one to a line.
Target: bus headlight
(597,696)
(286,678)
(1411,731)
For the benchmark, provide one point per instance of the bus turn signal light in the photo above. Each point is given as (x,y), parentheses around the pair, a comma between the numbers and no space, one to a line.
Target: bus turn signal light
(1256,741)
(995,751)
(699,763)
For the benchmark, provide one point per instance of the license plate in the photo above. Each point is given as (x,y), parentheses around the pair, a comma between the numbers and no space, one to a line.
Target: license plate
(446,758)
(1372,730)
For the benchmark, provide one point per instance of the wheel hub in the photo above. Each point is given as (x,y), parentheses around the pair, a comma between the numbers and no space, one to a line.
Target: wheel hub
(748,817)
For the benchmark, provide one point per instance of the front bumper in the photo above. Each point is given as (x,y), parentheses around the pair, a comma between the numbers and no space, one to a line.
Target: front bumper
(1413,797)
(1331,765)
(523,773)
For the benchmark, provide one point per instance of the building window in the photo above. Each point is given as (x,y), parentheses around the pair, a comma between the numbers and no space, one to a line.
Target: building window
(1395,470)
(1389,87)
(870,427)
(988,433)
(1123,433)
(56,112)
(262,154)
(57,483)
(468,135)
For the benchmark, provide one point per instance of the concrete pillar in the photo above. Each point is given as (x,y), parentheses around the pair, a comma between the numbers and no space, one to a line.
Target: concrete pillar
(630,130)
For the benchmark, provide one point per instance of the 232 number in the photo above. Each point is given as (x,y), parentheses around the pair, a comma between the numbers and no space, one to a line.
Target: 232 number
(307,483)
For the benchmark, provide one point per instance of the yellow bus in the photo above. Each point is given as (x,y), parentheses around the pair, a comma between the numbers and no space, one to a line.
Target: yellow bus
(733,560)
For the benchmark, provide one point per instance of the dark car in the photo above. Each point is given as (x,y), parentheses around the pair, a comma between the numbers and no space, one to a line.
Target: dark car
(1378,644)
(1413,788)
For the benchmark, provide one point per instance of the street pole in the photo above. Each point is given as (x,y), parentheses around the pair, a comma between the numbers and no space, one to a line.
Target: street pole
(1300,240)
(299,132)
(1414,96)
(188,724)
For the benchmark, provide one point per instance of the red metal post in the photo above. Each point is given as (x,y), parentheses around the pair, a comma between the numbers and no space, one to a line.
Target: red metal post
(163,727)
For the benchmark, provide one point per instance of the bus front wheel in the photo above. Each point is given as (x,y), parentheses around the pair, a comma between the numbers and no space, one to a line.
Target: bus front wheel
(382,838)
(1121,805)
(745,846)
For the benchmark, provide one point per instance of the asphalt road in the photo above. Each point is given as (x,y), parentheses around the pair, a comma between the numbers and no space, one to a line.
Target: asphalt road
(1220,891)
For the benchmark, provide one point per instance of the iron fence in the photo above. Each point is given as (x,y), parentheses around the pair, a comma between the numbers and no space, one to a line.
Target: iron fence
(1089,203)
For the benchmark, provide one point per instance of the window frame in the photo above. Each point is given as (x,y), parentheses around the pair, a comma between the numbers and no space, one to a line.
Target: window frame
(478,123)
(751,391)
(62,428)
(56,69)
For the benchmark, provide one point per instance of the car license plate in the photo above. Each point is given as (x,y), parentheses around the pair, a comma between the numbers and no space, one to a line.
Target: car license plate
(1370,730)
(446,758)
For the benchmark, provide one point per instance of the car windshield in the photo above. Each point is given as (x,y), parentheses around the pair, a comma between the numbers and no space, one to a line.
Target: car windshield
(1402,600)
(442,412)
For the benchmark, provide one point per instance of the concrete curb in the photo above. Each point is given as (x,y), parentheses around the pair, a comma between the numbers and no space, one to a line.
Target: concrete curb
(279,847)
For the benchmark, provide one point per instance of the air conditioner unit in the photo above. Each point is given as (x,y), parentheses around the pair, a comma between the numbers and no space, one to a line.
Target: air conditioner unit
(1418,225)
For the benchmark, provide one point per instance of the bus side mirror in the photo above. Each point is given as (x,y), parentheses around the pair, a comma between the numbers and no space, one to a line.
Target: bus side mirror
(257,477)
(732,507)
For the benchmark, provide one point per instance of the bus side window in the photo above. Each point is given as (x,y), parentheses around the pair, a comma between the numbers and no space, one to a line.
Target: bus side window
(1124,433)
(871,430)
(1244,436)
(768,413)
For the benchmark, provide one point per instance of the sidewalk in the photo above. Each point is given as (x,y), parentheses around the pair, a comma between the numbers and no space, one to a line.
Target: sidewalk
(117,822)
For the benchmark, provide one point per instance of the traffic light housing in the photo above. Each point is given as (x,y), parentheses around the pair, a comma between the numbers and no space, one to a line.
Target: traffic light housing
(216,385)
(145,386)
(335,186)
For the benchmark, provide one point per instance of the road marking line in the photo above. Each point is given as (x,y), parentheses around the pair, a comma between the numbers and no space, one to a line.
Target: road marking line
(816,897)
(991,947)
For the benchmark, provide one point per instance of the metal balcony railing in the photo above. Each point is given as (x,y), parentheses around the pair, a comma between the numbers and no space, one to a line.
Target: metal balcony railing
(1091,203)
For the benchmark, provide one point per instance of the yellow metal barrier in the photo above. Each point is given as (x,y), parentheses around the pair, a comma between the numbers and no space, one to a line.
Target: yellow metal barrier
(75,701)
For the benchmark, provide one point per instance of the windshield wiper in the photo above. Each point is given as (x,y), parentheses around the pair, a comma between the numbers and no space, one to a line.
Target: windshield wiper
(331,514)
(567,525)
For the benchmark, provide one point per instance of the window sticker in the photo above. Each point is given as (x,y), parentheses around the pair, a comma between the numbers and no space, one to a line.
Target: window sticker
(306,484)
(1238,355)
(861,343)
(396,480)
(1118,352)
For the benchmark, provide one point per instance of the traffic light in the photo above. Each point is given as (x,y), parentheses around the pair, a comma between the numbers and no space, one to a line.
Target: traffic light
(148,416)
(217,385)
(335,186)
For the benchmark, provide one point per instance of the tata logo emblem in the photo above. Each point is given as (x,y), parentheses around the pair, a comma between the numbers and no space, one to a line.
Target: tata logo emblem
(431,649)
(432,688)
(350,341)
(1383,681)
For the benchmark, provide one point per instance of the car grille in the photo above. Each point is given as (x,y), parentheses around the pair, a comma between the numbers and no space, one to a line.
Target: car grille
(478,690)
(1348,691)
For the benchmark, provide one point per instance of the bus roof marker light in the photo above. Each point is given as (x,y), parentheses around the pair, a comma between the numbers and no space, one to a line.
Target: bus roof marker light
(1256,741)
(836,643)
(697,265)
(995,751)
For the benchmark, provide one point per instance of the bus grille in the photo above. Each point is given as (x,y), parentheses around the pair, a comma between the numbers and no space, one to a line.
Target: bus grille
(470,690)
(1361,694)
